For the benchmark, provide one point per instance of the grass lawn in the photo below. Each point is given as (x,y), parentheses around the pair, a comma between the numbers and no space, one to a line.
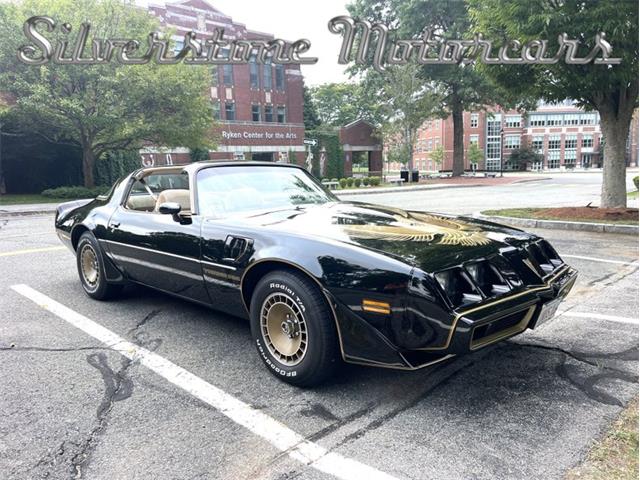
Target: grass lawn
(615,457)
(549,214)
(12,199)
(633,194)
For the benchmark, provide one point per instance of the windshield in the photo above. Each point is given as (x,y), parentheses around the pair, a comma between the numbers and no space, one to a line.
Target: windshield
(229,190)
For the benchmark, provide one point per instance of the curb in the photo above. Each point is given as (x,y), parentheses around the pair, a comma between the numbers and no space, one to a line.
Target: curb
(562,225)
(424,187)
(400,189)
(24,213)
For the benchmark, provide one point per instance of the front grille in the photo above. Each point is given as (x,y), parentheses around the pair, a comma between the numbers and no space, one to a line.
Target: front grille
(499,274)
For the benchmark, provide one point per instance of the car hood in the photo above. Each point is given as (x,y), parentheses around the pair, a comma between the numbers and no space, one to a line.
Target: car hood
(429,241)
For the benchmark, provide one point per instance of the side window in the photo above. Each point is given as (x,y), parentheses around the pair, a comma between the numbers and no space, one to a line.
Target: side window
(148,193)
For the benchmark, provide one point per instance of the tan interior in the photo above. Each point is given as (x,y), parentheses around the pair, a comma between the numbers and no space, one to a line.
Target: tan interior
(145,203)
(179,196)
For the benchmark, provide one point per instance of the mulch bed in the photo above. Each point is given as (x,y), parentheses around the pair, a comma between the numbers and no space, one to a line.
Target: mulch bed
(588,213)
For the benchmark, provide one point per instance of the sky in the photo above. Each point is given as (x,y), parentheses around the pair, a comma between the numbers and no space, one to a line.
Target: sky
(292,20)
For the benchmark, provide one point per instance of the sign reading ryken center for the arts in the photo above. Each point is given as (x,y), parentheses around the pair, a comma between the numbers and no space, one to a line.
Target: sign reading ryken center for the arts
(262,135)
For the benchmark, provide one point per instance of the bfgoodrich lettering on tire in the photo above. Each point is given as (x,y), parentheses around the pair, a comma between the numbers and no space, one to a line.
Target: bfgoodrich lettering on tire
(91,269)
(293,328)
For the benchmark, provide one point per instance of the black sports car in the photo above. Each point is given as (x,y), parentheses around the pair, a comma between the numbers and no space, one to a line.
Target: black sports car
(319,278)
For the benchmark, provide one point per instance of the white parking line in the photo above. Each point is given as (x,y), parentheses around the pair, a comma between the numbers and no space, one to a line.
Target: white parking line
(277,434)
(593,259)
(599,316)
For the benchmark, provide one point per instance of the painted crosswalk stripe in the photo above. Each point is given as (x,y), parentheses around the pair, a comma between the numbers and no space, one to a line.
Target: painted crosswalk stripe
(270,429)
(30,250)
(600,316)
(594,259)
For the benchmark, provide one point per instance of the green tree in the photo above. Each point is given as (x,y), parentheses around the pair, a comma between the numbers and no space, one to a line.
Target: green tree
(437,156)
(611,90)
(339,104)
(102,107)
(405,104)
(459,87)
(309,113)
(520,158)
(474,154)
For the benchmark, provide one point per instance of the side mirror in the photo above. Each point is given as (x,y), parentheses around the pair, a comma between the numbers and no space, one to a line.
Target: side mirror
(169,208)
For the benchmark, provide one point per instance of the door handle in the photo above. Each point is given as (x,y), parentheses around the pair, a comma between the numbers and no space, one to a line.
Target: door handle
(114,224)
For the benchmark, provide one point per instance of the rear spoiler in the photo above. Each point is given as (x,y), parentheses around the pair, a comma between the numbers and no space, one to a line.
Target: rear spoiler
(66,207)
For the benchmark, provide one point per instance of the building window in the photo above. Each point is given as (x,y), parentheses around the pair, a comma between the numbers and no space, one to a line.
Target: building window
(474,120)
(230,111)
(430,145)
(268,113)
(587,141)
(280,77)
(513,121)
(255,113)
(554,142)
(537,143)
(179,46)
(473,139)
(553,159)
(494,151)
(572,119)
(537,121)
(570,158)
(282,117)
(266,75)
(214,76)
(512,141)
(554,120)
(215,109)
(588,119)
(570,142)
(227,74)
(254,73)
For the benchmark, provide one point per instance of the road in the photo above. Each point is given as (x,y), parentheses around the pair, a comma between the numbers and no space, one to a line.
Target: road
(527,408)
(559,190)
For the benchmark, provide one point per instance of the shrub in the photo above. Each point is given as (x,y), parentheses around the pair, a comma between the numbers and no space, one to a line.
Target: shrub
(343,182)
(350,182)
(357,182)
(375,181)
(365,181)
(635,181)
(74,193)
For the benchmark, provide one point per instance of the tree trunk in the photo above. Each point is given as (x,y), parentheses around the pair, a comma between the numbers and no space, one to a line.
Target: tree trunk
(88,162)
(458,138)
(615,130)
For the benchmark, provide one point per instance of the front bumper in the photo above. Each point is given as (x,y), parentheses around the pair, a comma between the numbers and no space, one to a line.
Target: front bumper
(470,330)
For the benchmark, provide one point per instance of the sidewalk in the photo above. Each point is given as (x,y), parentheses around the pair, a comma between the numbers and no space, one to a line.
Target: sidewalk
(455,182)
(29,209)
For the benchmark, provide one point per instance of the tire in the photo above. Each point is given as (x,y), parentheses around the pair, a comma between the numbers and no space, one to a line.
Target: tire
(293,329)
(92,277)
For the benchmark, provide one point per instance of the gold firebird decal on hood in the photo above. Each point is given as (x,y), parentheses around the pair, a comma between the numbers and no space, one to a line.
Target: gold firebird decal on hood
(420,227)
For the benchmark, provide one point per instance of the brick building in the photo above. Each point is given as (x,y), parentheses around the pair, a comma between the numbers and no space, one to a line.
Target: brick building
(566,136)
(258,107)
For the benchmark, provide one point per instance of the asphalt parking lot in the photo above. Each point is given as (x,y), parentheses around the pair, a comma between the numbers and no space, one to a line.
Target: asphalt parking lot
(71,407)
